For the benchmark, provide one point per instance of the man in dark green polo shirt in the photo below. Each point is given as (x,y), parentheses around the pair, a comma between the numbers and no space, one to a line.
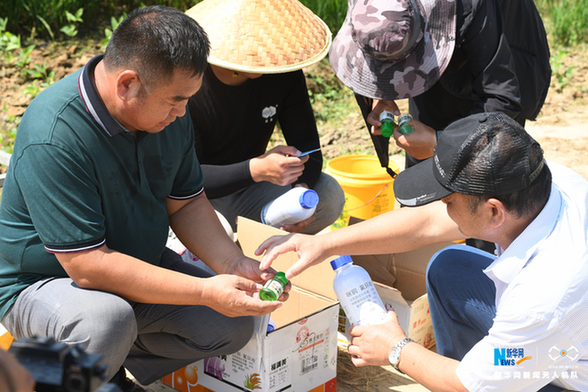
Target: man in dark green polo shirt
(103,164)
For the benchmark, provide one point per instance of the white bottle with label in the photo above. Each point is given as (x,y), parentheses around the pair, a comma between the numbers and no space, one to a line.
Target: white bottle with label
(294,206)
(356,293)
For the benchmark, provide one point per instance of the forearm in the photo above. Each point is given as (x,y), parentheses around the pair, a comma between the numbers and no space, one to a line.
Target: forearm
(222,180)
(111,271)
(399,230)
(197,226)
(431,370)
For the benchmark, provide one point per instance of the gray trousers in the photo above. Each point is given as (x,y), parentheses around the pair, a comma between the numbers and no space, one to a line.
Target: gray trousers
(151,341)
(249,202)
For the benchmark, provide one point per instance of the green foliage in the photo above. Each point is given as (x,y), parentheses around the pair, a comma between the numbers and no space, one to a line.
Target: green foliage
(33,89)
(40,72)
(563,74)
(330,99)
(8,41)
(566,21)
(7,138)
(114,22)
(332,12)
(42,17)
(70,30)
(22,61)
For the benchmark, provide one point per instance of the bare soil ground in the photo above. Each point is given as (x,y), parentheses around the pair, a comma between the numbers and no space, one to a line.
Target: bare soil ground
(561,128)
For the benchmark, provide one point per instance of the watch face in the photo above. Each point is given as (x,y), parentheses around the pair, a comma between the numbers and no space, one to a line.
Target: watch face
(394,356)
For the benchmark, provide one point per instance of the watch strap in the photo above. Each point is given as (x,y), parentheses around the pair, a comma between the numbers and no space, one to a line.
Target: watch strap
(396,350)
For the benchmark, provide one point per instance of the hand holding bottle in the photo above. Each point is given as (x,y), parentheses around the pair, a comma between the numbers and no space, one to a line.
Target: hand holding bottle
(420,143)
(378,107)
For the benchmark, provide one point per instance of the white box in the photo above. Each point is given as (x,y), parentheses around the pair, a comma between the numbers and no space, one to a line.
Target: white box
(299,355)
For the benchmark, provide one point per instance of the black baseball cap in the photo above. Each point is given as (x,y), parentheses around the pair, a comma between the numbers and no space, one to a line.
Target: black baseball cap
(485,154)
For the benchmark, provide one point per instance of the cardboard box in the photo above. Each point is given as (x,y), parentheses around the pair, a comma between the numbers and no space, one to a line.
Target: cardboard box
(301,353)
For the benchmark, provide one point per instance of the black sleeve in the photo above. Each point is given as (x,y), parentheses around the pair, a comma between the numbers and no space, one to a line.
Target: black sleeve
(298,125)
(222,180)
(491,64)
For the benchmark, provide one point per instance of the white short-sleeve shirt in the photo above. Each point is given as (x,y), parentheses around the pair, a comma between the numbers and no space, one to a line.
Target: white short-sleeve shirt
(540,332)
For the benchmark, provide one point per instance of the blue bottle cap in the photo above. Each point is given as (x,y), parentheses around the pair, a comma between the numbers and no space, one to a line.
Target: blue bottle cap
(308,199)
(341,261)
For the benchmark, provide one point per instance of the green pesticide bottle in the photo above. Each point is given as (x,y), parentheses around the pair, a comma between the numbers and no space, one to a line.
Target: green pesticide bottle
(403,125)
(387,120)
(273,288)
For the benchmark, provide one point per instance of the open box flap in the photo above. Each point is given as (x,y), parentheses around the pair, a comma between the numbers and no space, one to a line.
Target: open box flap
(410,269)
(317,279)
(376,268)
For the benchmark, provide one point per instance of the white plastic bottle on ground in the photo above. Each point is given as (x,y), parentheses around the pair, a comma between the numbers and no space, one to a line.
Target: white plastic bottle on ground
(356,293)
(294,206)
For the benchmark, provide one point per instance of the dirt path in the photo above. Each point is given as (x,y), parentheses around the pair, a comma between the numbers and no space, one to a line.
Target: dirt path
(564,138)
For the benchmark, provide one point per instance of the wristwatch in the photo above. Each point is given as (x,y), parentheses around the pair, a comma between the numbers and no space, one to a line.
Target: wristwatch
(394,355)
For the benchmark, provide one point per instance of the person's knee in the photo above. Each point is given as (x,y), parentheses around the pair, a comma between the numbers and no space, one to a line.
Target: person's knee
(112,324)
(444,262)
(243,330)
(450,266)
(435,266)
(231,335)
(331,198)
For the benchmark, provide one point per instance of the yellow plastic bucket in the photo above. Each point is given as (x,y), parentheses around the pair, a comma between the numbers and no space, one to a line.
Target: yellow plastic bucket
(367,186)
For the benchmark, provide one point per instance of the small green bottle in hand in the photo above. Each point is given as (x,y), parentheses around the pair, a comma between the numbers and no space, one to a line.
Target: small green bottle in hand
(403,125)
(274,287)
(387,120)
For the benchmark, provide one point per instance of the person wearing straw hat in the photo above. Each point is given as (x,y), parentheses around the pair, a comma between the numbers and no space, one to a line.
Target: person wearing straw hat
(103,164)
(255,80)
(515,321)
(450,58)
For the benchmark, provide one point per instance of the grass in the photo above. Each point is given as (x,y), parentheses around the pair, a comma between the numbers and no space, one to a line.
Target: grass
(566,22)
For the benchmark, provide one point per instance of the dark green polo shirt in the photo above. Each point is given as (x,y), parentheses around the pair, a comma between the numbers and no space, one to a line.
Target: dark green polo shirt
(78,180)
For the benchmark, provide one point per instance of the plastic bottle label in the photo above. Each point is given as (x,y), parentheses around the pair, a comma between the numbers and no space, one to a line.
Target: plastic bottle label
(386,115)
(274,286)
(361,305)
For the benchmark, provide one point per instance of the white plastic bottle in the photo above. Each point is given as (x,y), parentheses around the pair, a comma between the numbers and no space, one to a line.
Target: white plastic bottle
(356,293)
(290,208)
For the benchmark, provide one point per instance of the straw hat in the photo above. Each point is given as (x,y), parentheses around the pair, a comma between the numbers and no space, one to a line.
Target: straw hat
(262,36)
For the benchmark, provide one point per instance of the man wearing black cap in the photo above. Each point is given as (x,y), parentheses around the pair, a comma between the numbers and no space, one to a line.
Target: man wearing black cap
(511,322)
